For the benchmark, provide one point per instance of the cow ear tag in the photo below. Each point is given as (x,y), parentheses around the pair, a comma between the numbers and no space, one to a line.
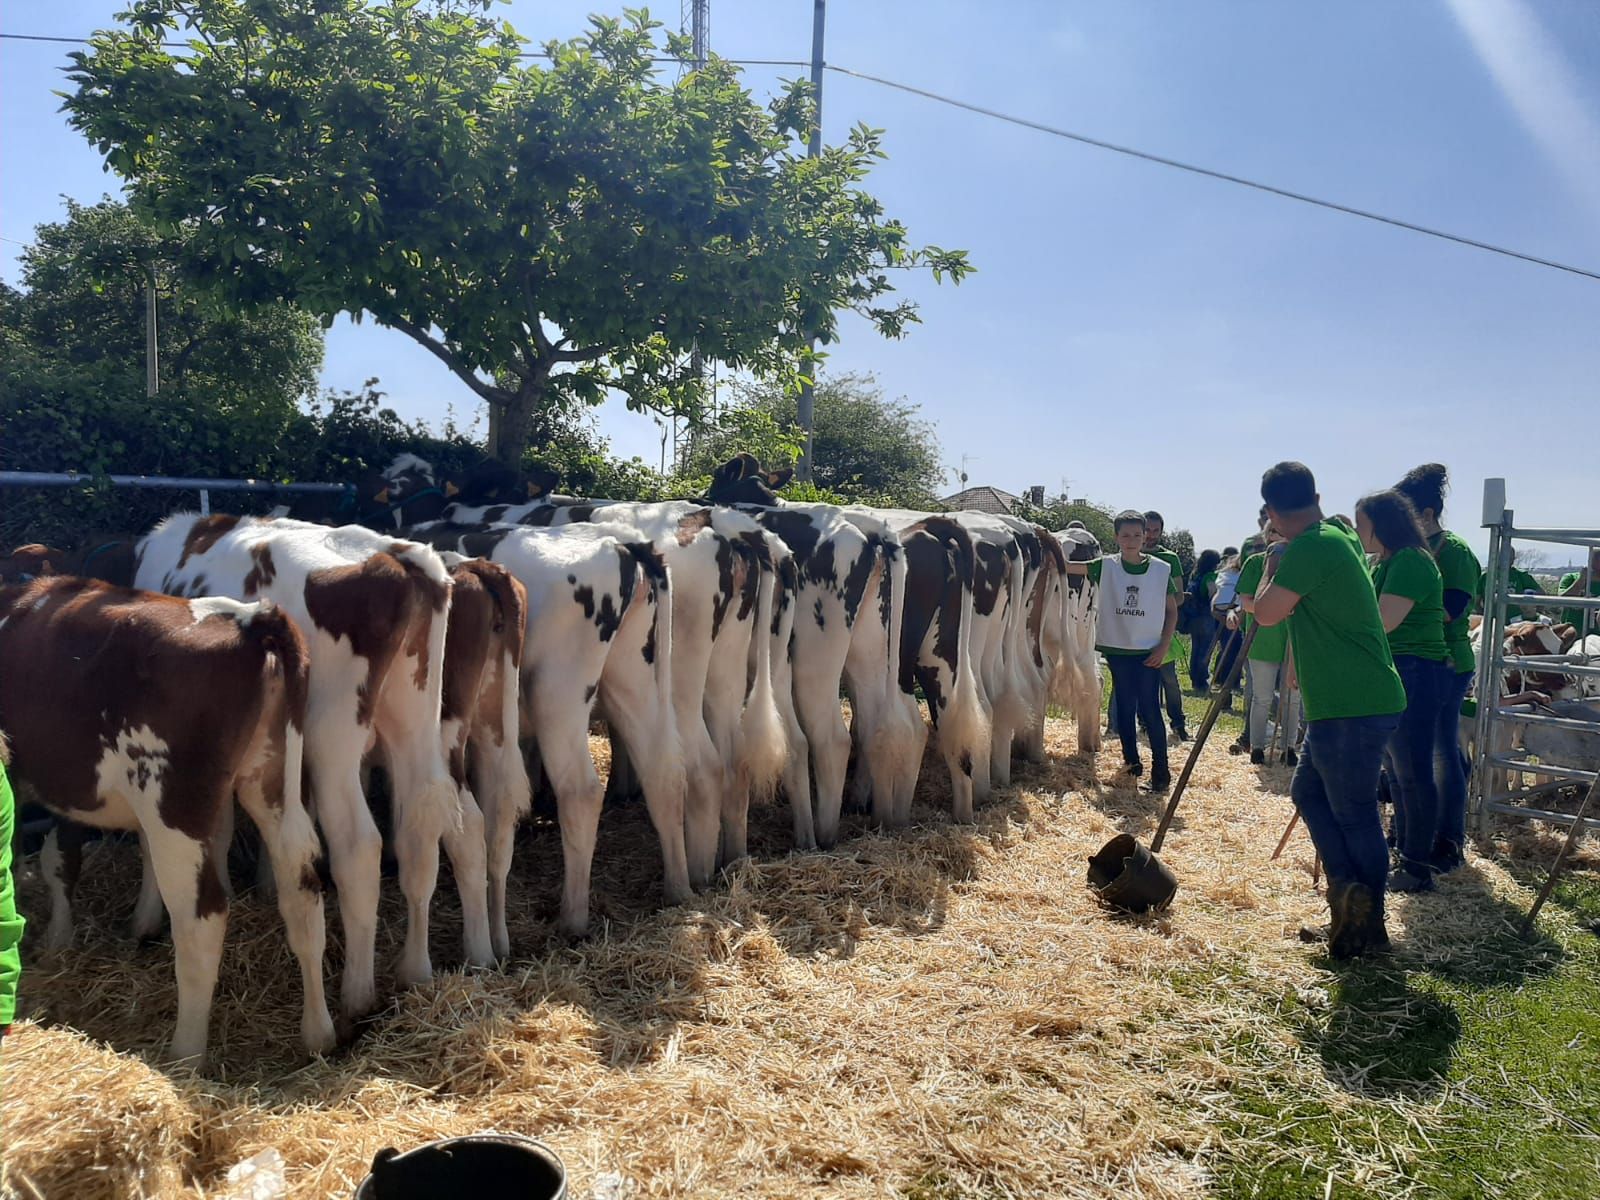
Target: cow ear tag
(382,497)
(450,489)
(535,490)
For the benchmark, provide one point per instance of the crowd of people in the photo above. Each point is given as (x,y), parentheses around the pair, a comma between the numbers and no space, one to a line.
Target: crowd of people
(1356,654)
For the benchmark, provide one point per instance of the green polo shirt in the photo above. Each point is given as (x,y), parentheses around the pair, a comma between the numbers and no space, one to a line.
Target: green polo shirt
(1460,571)
(1413,575)
(1341,654)
(1574,616)
(1270,639)
(1176,563)
(1174,588)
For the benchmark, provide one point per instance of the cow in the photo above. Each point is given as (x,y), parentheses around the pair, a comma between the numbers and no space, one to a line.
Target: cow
(599,626)
(478,712)
(1076,685)
(127,710)
(892,613)
(374,610)
(109,558)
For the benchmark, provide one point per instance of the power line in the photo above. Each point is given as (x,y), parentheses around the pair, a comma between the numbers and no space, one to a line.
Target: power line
(738,62)
(1193,169)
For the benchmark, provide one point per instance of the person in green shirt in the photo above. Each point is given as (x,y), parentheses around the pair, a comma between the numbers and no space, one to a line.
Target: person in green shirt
(10,922)
(1203,630)
(1520,580)
(1136,616)
(1410,593)
(1154,526)
(1460,575)
(1267,665)
(1581,583)
(1317,582)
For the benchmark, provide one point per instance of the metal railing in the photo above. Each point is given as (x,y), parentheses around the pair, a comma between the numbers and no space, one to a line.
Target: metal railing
(180,483)
(1489,764)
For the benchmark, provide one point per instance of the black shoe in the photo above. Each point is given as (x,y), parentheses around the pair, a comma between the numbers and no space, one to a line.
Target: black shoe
(1290,758)
(1135,768)
(1447,857)
(1179,732)
(1241,746)
(1322,934)
(1403,879)
(1159,781)
(1258,757)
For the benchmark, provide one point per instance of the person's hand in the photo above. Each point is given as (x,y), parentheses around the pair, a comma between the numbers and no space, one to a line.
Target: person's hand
(1232,619)
(1157,655)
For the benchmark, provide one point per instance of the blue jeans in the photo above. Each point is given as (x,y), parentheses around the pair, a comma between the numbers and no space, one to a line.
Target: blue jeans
(1410,760)
(1450,771)
(1203,636)
(1136,696)
(1335,787)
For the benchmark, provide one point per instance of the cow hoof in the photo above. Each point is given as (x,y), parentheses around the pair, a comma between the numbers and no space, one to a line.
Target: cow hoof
(318,1034)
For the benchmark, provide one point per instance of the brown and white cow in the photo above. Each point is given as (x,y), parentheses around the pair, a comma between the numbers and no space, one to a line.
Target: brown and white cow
(374,611)
(1076,685)
(599,626)
(110,558)
(127,710)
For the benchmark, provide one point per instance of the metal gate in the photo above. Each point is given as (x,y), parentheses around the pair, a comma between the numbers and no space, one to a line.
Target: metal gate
(1515,796)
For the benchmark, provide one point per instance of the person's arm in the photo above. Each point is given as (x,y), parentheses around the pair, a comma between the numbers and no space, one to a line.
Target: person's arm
(1273,602)
(1167,628)
(1579,582)
(1394,609)
(1456,602)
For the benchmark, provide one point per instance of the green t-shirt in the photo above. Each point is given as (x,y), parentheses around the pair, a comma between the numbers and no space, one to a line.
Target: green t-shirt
(1521,581)
(1574,616)
(1460,571)
(1173,561)
(1270,639)
(10,922)
(1414,575)
(1340,652)
(1174,587)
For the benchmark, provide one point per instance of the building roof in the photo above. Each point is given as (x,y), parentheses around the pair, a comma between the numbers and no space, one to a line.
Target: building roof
(982,499)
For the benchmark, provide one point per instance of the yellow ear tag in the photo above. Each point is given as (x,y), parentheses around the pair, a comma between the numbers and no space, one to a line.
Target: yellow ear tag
(382,497)
(450,489)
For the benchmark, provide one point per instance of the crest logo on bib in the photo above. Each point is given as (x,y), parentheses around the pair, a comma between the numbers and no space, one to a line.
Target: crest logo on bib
(1132,600)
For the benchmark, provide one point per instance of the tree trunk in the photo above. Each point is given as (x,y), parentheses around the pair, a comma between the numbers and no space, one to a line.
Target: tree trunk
(511,422)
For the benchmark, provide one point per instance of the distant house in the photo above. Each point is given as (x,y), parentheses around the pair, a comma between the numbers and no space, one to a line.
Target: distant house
(983,499)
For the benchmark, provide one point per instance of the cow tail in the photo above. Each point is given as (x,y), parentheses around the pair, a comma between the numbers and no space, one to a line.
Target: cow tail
(277,636)
(763,749)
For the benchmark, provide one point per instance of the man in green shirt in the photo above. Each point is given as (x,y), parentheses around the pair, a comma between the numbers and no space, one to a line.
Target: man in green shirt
(1521,581)
(10,922)
(1317,582)
(1155,525)
(1581,583)
(1267,666)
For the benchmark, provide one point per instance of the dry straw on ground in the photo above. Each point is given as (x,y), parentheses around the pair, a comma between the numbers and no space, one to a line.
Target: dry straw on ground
(945,1012)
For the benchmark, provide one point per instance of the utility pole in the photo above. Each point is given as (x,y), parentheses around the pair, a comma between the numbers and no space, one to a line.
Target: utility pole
(805,407)
(700,37)
(152,379)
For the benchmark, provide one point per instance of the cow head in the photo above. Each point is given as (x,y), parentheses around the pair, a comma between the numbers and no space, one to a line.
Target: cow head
(403,493)
(31,561)
(1531,638)
(741,480)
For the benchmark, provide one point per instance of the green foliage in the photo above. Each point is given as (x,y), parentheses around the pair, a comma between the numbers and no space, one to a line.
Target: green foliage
(865,447)
(1058,514)
(72,372)
(1181,543)
(561,228)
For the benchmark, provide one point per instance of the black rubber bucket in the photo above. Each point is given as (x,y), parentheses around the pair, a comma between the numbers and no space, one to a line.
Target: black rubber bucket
(1129,877)
(483,1166)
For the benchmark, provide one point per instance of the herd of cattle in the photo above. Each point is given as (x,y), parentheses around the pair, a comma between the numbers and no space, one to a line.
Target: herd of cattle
(464,634)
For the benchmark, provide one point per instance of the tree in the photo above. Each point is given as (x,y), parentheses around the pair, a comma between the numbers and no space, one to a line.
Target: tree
(72,371)
(866,447)
(545,229)
(1059,513)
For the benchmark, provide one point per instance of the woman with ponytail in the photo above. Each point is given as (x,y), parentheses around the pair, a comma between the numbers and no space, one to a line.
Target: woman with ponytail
(1460,571)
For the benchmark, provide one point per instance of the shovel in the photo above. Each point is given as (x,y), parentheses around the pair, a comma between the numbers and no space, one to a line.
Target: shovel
(1125,875)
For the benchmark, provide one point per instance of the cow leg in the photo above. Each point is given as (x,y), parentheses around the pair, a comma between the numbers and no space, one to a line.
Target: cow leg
(289,847)
(796,769)
(465,844)
(61,877)
(503,792)
(622,781)
(148,910)
(564,748)
(655,748)
(905,780)
(196,904)
(354,850)
(706,786)
(817,704)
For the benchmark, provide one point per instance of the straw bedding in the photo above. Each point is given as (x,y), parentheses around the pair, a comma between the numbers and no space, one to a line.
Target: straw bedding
(945,1012)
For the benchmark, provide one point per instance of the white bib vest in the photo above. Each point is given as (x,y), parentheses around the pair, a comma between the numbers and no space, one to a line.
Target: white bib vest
(1133,608)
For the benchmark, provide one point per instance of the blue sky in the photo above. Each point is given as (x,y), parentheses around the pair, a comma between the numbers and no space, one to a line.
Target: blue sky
(1153,338)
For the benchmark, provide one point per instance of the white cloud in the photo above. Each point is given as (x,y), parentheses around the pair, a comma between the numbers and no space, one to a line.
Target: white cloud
(1539,84)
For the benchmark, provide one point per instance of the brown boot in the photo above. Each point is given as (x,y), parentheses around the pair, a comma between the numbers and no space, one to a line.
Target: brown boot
(1363,930)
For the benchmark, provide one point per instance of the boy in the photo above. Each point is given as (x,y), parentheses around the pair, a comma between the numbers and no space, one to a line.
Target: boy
(1317,581)
(1138,612)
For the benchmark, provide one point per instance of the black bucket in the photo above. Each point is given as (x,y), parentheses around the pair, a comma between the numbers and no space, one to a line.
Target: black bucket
(484,1166)
(1127,876)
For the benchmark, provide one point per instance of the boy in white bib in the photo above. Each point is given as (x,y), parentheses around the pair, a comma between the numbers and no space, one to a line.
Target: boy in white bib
(1138,612)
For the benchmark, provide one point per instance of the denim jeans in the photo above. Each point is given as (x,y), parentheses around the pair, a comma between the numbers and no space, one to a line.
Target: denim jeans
(1410,761)
(1260,706)
(1136,692)
(1450,771)
(1203,637)
(1335,787)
